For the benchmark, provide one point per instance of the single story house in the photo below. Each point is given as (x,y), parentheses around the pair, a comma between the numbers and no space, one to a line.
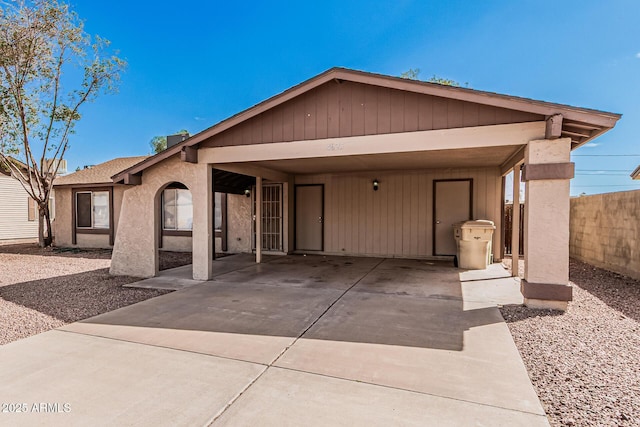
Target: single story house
(355,163)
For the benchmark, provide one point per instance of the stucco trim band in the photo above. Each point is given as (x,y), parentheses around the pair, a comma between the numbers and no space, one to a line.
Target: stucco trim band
(546,291)
(534,172)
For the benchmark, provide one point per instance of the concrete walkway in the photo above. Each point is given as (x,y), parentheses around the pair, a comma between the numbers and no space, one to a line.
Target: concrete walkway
(297,340)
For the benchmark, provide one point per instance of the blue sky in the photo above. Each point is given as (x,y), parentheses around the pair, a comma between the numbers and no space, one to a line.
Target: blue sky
(192,64)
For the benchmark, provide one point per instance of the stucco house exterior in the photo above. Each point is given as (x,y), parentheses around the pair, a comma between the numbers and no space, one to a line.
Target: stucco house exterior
(354,163)
(87,205)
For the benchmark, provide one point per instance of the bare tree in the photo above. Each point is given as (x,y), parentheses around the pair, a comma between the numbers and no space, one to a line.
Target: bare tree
(49,67)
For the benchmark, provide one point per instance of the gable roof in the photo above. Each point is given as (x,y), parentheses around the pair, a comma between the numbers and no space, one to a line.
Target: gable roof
(98,174)
(581,124)
(636,173)
(4,169)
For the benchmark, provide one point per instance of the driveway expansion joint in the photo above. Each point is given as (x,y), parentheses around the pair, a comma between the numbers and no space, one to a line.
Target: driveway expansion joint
(325,311)
(271,364)
(162,346)
(407,390)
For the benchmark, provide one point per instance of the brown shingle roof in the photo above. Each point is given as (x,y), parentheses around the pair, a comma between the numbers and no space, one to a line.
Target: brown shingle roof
(636,173)
(99,174)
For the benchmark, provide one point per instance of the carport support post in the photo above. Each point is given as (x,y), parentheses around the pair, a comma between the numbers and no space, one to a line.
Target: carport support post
(258,219)
(547,172)
(203,223)
(515,223)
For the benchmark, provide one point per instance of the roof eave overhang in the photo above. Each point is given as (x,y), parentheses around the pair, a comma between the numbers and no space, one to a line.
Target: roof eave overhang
(602,121)
(84,185)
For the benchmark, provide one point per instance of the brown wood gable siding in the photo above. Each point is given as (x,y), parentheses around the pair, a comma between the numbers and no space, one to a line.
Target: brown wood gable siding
(353,109)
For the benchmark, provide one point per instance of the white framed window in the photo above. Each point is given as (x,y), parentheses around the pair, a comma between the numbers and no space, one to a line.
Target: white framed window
(177,209)
(92,209)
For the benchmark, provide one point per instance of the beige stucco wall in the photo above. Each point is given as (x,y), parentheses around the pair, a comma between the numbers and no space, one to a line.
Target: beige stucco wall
(135,250)
(239,219)
(184,244)
(63,227)
(396,220)
(177,243)
(118,194)
(546,234)
(605,231)
(92,241)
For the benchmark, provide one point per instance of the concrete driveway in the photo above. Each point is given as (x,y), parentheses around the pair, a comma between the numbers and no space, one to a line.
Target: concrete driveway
(297,340)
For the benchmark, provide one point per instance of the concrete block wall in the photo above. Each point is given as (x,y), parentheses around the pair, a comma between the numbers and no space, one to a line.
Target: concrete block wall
(605,231)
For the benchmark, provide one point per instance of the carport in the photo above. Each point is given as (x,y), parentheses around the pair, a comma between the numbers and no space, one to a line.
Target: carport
(375,166)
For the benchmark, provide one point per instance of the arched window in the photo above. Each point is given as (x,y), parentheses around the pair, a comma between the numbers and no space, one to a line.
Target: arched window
(177,209)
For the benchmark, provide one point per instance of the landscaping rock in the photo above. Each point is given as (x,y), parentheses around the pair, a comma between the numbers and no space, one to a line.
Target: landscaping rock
(585,363)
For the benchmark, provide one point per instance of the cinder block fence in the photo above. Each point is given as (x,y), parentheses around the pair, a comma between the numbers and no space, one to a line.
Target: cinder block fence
(605,231)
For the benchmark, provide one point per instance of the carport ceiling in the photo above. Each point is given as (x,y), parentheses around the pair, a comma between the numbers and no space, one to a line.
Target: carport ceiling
(462,158)
(233,183)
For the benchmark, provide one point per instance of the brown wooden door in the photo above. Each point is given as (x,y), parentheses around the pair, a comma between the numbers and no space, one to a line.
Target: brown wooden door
(309,217)
(451,204)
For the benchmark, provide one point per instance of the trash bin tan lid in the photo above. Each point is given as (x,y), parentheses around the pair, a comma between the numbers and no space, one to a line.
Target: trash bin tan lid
(478,223)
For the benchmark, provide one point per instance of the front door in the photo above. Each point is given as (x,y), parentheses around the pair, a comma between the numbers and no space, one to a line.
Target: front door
(309,217)
(452,203)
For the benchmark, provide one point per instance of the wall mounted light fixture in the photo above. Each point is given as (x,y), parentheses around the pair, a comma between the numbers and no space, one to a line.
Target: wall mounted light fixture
(247,192)
(376,184)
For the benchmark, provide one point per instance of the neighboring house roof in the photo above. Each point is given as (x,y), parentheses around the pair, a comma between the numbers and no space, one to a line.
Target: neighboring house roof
(99,174)
(636,173)
(580,124)
(4,169)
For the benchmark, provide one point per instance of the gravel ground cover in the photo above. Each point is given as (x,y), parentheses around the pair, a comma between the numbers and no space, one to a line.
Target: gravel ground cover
(42,289)
(585,363)
(174,259)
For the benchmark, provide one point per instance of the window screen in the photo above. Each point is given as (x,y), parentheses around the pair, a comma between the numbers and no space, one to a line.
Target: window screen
(83,210)
(92,209)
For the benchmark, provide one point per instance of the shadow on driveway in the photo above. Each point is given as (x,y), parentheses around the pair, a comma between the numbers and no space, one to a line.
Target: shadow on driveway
(391,302)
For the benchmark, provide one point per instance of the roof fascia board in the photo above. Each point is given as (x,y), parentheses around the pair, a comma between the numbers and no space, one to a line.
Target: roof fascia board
(85,185)
(487,98)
